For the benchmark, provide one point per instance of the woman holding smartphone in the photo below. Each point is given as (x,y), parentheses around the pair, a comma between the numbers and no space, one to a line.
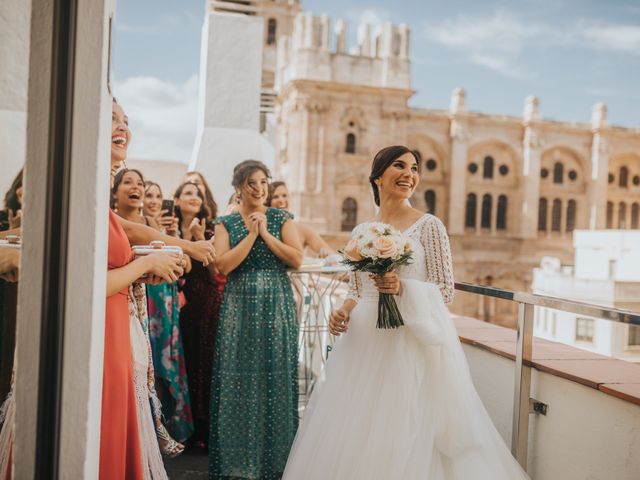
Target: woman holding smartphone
(202,289)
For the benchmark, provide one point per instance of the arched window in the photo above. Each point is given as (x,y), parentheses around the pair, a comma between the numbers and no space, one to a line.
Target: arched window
(635,215)
(430,200)
(349,214)
(487,167)
(571,215)
(501,223)
(272,26)
(558,172)
(623,178)
(556,215)
(542,214)
(351,143)
(485,219)
(470,212)
(609,214)
(622,215)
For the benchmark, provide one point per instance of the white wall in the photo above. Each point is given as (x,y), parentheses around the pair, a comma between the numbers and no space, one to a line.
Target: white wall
(228,127)
(14,61)
(595,250)
(586,434)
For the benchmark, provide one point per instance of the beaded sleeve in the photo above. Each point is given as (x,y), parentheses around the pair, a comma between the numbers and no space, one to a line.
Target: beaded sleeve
(438,256)
(353,292)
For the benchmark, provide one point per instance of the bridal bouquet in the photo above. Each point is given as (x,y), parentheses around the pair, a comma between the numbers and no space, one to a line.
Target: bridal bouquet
(379,248)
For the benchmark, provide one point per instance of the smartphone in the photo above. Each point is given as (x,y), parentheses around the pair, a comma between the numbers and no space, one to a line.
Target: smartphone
(168,206)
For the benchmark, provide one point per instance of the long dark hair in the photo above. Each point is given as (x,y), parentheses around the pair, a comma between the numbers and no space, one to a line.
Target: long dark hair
(272,188)
(383,160)
(202,213)
(209,202)
(11,201)
(117,180)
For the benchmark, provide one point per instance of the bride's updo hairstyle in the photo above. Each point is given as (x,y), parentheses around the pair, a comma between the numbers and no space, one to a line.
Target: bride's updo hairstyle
(383,160)
(244,170)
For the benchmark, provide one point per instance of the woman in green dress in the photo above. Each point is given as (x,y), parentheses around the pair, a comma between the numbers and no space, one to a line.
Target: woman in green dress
(254,390)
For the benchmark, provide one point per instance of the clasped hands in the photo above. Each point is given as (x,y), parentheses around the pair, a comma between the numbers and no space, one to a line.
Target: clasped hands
(387,283)
(257,223)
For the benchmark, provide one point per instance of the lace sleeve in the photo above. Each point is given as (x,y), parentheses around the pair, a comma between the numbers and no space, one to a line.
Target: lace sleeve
(353,292)
(438,255)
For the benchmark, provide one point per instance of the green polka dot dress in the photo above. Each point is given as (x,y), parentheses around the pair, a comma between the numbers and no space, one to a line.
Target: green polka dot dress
(254,391)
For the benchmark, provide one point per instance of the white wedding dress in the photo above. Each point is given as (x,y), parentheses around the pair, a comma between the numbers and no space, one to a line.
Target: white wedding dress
(400,404)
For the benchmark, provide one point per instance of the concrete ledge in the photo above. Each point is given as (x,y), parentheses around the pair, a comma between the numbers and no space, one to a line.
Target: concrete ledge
(610,376)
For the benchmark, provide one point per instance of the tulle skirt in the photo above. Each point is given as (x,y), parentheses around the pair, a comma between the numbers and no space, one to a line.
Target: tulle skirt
(399,404)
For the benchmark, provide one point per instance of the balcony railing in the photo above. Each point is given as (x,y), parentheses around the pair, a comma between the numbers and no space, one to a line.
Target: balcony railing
(523,405)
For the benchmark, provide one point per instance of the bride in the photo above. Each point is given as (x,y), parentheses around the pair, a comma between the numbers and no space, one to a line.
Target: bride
(399,404)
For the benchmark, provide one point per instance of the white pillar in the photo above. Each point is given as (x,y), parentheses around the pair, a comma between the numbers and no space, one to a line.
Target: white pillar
(87,243)
(229,117)
(598,181)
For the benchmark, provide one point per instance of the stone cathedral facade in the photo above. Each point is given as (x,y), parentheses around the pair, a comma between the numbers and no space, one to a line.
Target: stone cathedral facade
(509,189)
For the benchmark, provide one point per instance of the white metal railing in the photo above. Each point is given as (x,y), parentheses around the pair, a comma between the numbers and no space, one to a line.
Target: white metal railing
(523,404)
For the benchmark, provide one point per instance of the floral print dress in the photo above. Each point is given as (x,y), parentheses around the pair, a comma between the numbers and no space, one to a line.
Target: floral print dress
(168,359)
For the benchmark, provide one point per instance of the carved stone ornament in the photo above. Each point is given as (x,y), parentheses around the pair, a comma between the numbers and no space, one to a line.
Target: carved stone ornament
(458,132)
(353,115)
(533,139)
(310,105)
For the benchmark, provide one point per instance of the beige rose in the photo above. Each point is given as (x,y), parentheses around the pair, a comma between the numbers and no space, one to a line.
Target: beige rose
(386,247)
(351,250)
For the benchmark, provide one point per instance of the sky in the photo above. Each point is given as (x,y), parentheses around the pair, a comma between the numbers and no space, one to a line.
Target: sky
(570,53)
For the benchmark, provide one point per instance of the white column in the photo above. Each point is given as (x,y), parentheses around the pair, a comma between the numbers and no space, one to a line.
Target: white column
(457,184)
(531,150)
(598,180)
(87,243)
(459,151)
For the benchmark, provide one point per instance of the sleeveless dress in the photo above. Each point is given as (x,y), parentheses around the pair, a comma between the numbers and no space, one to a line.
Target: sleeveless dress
(400,404)
(198,326)
(254,390)
(168,359)
(120,455)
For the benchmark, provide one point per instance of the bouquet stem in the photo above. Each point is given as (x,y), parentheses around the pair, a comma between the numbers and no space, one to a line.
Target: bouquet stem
(388,314)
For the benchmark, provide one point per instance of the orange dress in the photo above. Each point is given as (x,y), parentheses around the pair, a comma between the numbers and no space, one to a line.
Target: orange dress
(120,456)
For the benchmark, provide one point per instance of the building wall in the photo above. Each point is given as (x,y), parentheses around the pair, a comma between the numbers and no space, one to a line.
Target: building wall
(605,273)
(549,177)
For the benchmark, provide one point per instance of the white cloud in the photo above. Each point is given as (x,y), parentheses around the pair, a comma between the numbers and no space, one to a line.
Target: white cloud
(493,42)
(601,92)
(371,16)
(496,42)
(502,32)
(162,116)
(497,63)
(621,38)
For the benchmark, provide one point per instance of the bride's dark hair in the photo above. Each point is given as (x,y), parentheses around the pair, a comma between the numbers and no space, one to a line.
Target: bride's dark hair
(383,160)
